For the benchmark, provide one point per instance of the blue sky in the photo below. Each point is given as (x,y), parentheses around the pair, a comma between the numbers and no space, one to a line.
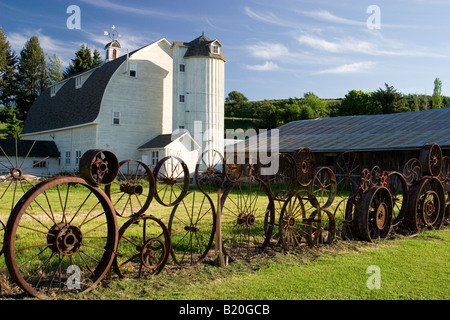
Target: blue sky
(275,49)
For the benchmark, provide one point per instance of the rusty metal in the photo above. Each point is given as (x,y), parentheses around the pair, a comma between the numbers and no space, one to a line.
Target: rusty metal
(322,231)
(399,190)
(143,249)
(172,180)
(366,180)
(306,165)
(133,188)
(324,186)
(373,214)
(412,171)
(98,167)
(2,237)
(192,226)
(247,220)
(209,171)
(65,240)
(426,205)
(234,167)
(348,169)
(375,175)
(283,182)
(293,222)
(431,159)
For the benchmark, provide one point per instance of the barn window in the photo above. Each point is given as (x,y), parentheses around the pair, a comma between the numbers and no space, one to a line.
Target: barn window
(116,117)
(52,91)
(155,157)
(77,157)
(182,67)
(39,164)
(78,82)
(67,157)
(181,97)
(133,70)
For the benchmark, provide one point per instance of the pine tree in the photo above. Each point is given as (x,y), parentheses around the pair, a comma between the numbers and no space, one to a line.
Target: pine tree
(97,59)
(83,61)
(8,74)
(54,70)
(32,76)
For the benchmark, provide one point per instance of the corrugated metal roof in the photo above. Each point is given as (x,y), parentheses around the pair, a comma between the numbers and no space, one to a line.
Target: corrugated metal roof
(397,131)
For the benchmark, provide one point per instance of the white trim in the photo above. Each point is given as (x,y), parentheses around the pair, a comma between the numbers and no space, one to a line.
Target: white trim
(59,129)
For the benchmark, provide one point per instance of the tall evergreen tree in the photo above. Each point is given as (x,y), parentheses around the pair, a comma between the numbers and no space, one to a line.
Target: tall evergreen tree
(389,100)
(32,76)
(8,68)
(54,69)
(84,60)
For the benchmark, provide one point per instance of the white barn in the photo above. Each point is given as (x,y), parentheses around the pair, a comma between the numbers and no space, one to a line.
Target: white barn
(132,104)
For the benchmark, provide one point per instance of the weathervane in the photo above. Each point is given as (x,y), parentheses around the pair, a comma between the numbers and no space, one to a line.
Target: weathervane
(113,34)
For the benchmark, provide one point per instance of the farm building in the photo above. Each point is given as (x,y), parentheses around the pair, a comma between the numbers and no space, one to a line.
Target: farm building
(137,104)
(27,157)
(387,140)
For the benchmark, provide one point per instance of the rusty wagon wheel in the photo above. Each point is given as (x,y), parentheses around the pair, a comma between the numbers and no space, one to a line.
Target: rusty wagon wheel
(209,171)
(144,247)
(306,165)
(375,175)
(412,171)
(132,190)
(98,167)
(282,182)
(374,214)
(192,227)
(293,220)
(431,159)
(18,179)
(172,180)
(426,205)
(234,167)
(399,190)
(324,186)
(348,170)
(366,180)
(2,236)
(247,219)
(61,237)
(323,230)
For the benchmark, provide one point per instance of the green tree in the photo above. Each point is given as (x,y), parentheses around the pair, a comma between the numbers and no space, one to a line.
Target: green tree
(389,100)
(32,76)
(83,61)
(13,125)
(96,59)
(317,105)
(236,97)
(356,102)
(436,99)
(8,72)
(54,70)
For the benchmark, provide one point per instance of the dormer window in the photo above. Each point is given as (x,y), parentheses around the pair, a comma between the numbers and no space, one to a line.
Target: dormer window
(215,49)
(52,91)
(78,82)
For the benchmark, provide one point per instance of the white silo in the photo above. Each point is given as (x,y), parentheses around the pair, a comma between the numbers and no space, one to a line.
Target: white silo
(199,85)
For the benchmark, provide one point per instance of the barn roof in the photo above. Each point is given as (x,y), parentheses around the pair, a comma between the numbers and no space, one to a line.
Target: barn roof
(398,131)
(70,106)
(31,148)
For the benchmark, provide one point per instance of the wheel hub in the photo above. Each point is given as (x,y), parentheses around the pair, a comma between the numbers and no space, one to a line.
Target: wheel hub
(381,216)
(65,239)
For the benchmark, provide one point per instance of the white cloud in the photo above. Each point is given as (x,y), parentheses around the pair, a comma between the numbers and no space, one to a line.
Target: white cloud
(349,68)
(267,66)
(267,50)
(327,16)
(338,46)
